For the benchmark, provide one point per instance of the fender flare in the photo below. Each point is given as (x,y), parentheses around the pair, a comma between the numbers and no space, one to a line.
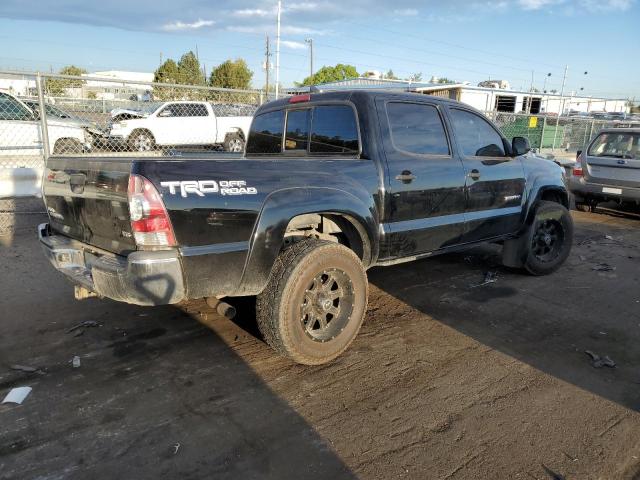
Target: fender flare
(281,206)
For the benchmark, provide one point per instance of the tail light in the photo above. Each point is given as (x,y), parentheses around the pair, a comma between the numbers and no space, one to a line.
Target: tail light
(149,220)
(577,169)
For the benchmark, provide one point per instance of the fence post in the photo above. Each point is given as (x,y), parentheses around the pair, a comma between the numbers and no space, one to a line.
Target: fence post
(544,124)
(590,131)
(46,151)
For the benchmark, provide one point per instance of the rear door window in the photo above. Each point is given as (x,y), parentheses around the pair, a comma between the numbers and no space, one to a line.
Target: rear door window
(417,128)
(298,123)
(476,137)
(265,136)
(11,109)
(334,130)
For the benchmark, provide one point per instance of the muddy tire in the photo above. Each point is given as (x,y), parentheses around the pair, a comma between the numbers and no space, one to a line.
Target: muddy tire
(67,145)
(233,143)
(583,207)
(314,302)
(141,141)
(549,238)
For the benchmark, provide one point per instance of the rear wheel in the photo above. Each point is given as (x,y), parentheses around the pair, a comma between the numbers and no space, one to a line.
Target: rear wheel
(314,303)
(141,141)
(233,143)
(67,145)
(549,238)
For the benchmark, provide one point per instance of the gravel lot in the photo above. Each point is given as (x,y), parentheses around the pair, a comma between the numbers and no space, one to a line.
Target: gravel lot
(445,381)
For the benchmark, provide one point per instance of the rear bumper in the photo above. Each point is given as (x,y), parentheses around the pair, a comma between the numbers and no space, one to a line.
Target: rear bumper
(585,190)
(141,278)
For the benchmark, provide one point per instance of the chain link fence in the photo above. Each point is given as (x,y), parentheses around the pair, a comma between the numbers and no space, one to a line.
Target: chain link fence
(49,114)
(549,133)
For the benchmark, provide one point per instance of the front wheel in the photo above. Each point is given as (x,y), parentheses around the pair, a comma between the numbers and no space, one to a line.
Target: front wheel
(314,303)
(549,238)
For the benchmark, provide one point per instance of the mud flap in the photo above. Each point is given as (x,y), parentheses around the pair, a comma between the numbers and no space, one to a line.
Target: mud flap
(514,251)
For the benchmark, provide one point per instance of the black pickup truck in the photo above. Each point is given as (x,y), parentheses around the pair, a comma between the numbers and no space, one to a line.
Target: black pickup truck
(331,184)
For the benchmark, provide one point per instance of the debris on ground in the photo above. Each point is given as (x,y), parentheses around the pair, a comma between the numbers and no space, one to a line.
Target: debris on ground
(76,362)
(176,447)
(82,325)
(603,267)
(552,474)
(598,362)
(27,369)
(17,395)
(489,277)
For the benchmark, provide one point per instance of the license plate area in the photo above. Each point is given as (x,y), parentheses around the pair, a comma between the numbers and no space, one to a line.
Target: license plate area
(613,191)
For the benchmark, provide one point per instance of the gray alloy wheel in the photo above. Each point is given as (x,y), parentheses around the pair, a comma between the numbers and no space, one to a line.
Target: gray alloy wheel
(142,141)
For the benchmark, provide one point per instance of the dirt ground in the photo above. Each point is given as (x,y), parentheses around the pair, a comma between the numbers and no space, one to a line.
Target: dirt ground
(445,381)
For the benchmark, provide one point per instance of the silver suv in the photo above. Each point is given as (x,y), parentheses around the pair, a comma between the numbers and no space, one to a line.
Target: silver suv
(609,169)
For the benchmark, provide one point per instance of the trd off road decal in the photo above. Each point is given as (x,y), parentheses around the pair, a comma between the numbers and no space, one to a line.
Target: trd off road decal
(202,187)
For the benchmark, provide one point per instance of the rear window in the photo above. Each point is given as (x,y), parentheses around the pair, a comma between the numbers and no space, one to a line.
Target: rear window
(334,130)
(297,137)
(616,145)
(266,133)
(417,128)
(319,130)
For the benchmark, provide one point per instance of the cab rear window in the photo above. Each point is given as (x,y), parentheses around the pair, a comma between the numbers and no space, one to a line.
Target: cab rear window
(315,131)
(265,136)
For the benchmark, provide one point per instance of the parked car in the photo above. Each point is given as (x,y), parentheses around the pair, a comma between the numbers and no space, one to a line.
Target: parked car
(331,184)
(93,132)
(21,133)
(176,124)
(608,169)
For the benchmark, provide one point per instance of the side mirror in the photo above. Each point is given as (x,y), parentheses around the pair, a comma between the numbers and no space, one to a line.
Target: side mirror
(520,146)
(578,153)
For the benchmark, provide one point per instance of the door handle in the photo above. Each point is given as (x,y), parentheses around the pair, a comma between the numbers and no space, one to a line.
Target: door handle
(474,174)
(406,176)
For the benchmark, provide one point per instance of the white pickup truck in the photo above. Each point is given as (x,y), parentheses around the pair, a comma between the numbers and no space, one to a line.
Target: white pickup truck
(182,123)
(21,135)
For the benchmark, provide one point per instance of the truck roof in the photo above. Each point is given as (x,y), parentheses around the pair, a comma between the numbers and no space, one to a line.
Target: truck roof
(346,95)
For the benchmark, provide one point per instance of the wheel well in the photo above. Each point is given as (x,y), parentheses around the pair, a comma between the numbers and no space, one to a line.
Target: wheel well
(68,142)
(237,131)
(552,195)
(339,228)
(142,130)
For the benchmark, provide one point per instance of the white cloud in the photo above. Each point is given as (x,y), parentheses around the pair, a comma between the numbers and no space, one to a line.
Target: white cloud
(178,25)
(606,5)
(252,12)
(293,45)
(303,7)
(406,12)
(537,4)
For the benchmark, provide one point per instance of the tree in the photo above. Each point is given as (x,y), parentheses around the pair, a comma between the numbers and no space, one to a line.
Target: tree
(415,77)
(445,80)
(189,69)
(231,74)
(390,75)
(58,86)
(331,74)
(168,72)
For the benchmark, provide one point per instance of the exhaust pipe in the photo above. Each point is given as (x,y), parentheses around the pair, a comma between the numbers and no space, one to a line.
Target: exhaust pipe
(223,308)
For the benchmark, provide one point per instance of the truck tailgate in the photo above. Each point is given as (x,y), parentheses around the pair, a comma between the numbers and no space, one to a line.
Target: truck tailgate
(87,200)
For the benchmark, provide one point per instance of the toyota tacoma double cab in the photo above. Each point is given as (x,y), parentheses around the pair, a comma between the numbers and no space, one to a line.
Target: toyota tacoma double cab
(331,184)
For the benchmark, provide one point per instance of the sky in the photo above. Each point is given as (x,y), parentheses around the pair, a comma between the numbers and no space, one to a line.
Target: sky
(463,40)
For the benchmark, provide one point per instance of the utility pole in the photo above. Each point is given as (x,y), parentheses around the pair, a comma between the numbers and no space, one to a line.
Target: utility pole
(278,50)
(267,66)
(530,99)
(561,108)
(310,42)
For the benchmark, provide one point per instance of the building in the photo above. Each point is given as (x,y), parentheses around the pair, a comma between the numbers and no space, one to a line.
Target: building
(19,85)
(486,98)
(116,85)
